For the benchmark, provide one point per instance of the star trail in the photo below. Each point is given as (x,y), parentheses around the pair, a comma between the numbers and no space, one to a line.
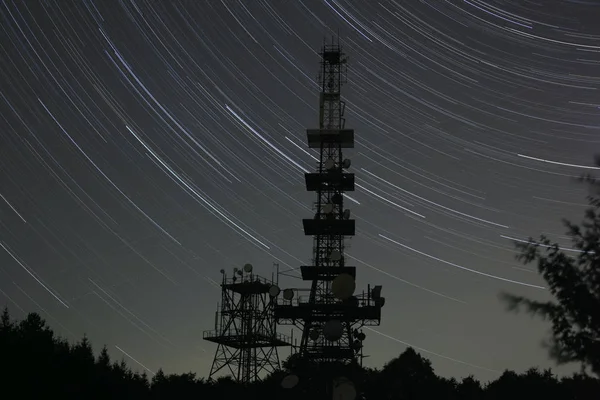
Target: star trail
(145,145)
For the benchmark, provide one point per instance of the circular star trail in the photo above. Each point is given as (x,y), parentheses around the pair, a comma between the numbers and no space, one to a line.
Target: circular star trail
(145,145)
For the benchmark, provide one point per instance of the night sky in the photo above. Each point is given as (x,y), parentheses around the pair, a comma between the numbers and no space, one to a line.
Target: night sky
(145,145)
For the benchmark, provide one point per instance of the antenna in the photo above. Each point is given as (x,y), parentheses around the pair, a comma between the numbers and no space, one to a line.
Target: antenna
(343,389)
(329,164)
(343,286)
(274,291)
(288,294)
(331,313)
(335,255)
(289,381)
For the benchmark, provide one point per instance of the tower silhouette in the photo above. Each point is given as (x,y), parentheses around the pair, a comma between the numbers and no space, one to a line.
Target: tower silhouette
(245,328)
(331,316)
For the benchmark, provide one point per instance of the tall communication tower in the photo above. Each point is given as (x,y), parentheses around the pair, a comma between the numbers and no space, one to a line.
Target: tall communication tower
(245,328)
(332,315)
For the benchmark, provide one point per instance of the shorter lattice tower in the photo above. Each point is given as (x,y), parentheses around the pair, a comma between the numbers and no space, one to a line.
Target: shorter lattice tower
(245,329)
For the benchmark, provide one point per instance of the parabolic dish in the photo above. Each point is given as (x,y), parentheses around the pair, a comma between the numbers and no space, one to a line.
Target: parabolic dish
(333,330)
(248,268)
(343,286)
(288,294)
(274,291)
(289,381)
(329,164)
(344,391)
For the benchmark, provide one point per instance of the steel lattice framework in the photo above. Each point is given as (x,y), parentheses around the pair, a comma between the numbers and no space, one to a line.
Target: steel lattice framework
(329,227)
(245,328)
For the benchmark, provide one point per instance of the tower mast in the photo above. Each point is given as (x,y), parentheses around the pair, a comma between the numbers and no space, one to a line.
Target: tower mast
(331,316)
(245,328)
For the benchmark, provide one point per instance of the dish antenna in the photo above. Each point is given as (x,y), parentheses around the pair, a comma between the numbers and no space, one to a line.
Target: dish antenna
(289,381)
(240,272)
(274,291)
(288,294)
(222,271)
(335,255)
(343,389)
(329,164)
(343,286)
(360,335)
(328,208)
(333,330)
(346,214)
(346,163)
(248,268)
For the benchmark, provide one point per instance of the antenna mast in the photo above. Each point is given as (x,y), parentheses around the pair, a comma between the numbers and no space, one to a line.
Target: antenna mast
(245,328)
(331,316)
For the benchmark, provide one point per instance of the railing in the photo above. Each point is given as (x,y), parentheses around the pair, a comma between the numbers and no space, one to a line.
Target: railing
(363,301)
(247,278)
(263,334)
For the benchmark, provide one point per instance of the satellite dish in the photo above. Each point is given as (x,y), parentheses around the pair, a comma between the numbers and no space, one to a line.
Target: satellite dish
(235,270)
(361,336)
(329,164)
(240,272)
(346,214)
(346,163)
(222,271)
(333,330)
(288,294)
(343,286)
(344,390)
(274,291)
(234,278)
(289,381)
(335,255)
(248,268)
(328,208)
(314,334)
(339,380)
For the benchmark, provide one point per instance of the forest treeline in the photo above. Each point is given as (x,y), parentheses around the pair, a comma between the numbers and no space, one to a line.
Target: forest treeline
(35,363)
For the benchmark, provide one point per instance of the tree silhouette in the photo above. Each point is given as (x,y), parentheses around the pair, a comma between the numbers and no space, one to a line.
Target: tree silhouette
(36,364)
(469,389)
(574,281)
(408,376)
